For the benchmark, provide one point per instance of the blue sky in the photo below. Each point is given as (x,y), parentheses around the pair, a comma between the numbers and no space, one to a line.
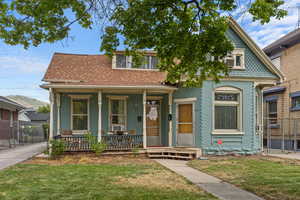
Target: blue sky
(21,70)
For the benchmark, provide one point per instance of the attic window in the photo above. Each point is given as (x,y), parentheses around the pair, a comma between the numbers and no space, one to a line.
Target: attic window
(125,62)
(236,59)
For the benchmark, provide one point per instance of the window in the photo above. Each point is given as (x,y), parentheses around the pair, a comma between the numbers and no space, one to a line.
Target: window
(272,111)
(80,114)
(236,59)
(296,103)
(123,61)
(227,109)
(118,116)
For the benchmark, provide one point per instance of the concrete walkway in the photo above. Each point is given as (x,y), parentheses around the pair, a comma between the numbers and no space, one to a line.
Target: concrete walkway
(286,155)
(13,156)
(213,185)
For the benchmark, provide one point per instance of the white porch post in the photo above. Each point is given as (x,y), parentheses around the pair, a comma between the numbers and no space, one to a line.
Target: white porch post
(99,115)
(58,112)
(170,121)
(51,99)
(144,120)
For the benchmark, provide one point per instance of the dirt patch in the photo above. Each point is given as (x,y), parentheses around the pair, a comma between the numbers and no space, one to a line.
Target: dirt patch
(85,158)
(159,179)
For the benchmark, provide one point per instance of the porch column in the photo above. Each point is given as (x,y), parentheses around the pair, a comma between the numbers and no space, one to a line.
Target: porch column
(170,121)
(99,115)
(51,99)
(144,119)
(58,112)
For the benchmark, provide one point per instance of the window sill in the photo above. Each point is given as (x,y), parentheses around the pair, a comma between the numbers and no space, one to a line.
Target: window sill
(227,132)
(295,109)
(137,69)
(274,126)
(238,68)
(79,132)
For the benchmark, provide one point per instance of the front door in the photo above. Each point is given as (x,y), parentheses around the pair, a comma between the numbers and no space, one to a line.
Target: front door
(185,126)
(153,123)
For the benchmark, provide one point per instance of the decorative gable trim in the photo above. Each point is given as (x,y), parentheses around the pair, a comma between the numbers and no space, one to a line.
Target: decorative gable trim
(256,50)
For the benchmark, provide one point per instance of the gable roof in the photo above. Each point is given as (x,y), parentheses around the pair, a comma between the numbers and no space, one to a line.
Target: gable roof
(92,71)
(79,69)
(256,49)
(36,116)
(6,103)
(289,40)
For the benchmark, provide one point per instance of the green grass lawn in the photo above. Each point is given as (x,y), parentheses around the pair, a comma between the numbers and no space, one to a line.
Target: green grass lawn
(102,180)
(270,178)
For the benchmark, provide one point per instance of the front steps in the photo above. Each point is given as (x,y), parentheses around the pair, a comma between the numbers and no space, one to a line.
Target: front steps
(178,153)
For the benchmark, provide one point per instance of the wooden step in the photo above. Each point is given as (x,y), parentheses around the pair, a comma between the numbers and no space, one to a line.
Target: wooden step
(172,154)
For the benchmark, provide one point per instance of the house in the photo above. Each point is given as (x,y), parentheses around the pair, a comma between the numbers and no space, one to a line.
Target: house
(9,124)
(282,102)
(36,117)
(127,107)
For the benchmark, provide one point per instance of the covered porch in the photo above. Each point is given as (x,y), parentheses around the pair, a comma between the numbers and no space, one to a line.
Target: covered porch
(124,118)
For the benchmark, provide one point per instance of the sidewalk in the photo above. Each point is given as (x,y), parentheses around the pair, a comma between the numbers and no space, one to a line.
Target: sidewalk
(213,185)
(293,155)
(13,156)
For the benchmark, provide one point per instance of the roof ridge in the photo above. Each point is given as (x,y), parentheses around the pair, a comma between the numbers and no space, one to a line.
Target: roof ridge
(79,54)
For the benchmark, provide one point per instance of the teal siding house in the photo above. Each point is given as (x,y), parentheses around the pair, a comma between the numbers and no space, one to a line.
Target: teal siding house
(130,108)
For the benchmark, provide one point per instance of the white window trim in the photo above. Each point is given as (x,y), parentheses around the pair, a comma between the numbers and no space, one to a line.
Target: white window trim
(110,98)
(128,64)
(239,130)
(185,100)
(76,97)
(234,53)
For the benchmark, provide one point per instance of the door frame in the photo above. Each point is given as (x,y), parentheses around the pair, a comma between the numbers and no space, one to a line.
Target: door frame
(178,102)
(156,98)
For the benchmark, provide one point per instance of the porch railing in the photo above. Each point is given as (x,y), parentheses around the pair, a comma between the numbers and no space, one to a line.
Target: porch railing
(113,142)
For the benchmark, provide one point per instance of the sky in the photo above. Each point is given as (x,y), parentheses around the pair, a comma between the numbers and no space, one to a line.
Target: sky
(21,71)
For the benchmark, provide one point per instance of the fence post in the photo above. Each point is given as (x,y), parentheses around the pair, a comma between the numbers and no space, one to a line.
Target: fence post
(282,131)
(295,135)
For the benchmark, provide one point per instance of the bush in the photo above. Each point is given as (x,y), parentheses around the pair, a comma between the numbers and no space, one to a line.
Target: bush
(97,147)
(57,148)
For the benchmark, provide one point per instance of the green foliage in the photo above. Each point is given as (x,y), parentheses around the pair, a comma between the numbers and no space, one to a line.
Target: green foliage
(57,148)
(97,147)
(135,151)
(44,109)
(185,34)
(46,130)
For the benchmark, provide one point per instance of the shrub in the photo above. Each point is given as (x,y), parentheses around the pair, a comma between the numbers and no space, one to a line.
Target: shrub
(135,151)
(57,148)
(97,147)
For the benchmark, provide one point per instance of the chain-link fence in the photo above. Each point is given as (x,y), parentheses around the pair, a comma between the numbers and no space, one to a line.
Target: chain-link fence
(18,133)
(281,134)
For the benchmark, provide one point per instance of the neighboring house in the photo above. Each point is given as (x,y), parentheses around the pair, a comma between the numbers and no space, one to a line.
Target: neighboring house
(116,102)
(282,102)
(37,117)
(9,126)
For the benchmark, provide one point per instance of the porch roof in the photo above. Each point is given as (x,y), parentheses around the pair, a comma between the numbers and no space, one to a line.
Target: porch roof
(96,71)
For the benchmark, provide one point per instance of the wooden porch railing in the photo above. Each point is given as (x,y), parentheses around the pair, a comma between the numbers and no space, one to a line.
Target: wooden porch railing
(113,142)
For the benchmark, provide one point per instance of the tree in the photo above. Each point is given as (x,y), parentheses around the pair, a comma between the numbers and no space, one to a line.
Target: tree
(188,35)
(44,109)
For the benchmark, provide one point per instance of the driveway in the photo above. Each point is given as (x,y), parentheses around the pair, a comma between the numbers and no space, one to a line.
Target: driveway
(13,156)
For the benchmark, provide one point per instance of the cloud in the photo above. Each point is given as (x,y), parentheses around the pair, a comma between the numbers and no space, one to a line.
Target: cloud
(22,64)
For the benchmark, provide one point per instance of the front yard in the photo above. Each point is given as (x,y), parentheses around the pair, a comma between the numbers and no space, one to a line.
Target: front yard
(90,177)
(270,178)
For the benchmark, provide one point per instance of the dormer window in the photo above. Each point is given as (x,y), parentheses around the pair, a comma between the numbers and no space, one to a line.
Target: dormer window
(236,59)
(121,61)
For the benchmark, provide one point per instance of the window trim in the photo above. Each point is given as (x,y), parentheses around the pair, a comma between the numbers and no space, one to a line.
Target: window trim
(114,64)
(234,53)
(230,90)
(80,97)
(121,98)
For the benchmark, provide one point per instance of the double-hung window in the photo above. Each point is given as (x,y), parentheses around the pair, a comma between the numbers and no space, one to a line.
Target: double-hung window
(80,118)
(227,110)
(126,62)
(295,101)
(118,115)
(272,112)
